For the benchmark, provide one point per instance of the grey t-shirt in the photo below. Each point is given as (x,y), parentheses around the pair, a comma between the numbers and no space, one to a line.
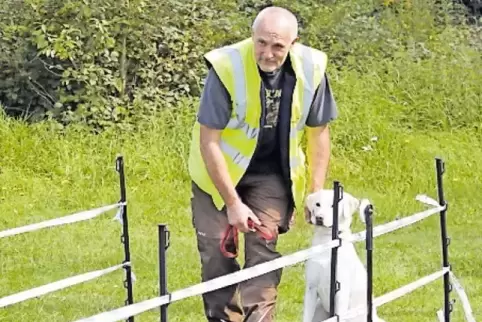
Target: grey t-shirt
(215,107)
(215,112)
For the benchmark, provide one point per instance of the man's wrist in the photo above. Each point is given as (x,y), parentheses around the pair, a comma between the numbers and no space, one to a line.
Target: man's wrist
(316,186)
(232,200)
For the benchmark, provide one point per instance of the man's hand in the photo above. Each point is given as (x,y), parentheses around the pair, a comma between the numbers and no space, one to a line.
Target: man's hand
(238,215)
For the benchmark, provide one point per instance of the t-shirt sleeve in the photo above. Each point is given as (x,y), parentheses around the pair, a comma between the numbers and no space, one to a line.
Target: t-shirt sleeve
(215,106)
(323,110)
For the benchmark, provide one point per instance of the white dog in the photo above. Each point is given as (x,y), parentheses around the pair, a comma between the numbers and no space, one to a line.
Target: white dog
(350,273)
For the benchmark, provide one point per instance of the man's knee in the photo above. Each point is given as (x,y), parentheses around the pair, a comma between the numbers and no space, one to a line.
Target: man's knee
(258,251)
(221,304)
(213,261)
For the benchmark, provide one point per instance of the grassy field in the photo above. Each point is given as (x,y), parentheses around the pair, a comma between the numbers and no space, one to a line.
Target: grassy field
(425,101)
(46,175)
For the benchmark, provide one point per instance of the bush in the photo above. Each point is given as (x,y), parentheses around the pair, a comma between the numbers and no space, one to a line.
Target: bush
(106,62)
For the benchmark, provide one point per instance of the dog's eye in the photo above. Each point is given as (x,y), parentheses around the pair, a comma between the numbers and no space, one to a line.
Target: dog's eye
(318,204)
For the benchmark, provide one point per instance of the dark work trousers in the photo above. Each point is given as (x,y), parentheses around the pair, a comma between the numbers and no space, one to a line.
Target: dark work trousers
(267,197)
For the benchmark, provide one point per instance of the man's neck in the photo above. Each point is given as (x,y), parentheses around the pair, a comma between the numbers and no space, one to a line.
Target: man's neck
(271,73)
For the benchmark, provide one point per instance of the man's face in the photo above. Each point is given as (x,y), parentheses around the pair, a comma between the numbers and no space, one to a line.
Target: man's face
(271,48)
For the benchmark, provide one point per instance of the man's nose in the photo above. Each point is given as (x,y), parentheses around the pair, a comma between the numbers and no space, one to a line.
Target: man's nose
(268,54)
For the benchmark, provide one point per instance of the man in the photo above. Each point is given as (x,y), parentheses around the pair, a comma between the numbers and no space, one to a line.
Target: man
(246,160)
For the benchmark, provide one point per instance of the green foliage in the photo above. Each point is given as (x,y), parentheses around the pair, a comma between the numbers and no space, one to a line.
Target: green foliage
(106,62)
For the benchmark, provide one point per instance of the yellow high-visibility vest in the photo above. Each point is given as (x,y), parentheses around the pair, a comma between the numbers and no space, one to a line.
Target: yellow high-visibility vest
(236,67)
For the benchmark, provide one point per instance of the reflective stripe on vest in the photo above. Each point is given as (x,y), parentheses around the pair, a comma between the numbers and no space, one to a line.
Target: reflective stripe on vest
(240,89)
(239,159)
(294,162)
(309,73)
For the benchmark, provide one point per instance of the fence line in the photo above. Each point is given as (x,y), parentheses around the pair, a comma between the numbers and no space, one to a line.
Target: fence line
(395,294)
(287,260)
(213,284)
(56,286)
(245,274)
(121,216)
(406,289)
(396,224)
(74,218)
(469,316)
(130,309)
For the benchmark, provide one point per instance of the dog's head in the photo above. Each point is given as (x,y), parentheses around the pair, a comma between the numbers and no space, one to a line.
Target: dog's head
(320,206)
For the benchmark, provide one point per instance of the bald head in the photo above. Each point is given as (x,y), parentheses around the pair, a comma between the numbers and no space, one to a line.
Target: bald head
(276,20)
(275,30)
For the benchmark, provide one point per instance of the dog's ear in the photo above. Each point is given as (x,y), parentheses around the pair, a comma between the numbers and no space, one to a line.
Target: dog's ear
(350,205)
(315,199)
(364,203)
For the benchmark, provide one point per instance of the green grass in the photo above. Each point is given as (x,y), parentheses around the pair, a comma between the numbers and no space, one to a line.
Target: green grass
(422,102)
(46,175)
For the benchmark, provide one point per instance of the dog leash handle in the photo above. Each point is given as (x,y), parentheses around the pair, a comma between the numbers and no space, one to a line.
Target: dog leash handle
(229,242)
(262,230)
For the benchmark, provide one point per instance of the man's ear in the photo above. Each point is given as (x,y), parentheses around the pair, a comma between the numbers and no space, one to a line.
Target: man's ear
(350,205)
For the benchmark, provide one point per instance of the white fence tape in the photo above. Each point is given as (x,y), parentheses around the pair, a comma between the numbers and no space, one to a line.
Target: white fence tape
(214,284)
(58,285)
(427,200)
(395,294)
(396,224)
(440,316)
(80,216)
(469,315)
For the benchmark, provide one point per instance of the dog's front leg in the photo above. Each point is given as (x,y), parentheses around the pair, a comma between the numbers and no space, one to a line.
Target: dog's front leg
(309,303)
(342,297)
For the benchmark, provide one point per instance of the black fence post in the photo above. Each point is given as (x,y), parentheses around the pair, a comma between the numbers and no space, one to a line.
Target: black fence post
(163,246)
(334,284)
(440,166)
(125,233)
(368,211)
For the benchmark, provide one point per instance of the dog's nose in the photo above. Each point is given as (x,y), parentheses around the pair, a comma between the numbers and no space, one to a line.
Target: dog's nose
(319,221)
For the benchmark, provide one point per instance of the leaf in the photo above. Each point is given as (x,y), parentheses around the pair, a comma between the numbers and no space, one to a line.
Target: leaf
(41,42)
(118,84)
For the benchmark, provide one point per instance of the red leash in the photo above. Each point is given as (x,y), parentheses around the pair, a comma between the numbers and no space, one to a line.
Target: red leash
(229,242)
(262,230)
